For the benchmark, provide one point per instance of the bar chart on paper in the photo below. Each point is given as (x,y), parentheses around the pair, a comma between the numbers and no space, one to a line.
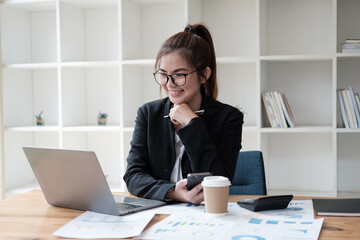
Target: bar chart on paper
(267,228)
(189,227)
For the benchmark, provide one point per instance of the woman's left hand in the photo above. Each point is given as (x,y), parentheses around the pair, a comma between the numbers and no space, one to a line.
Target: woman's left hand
(180,193)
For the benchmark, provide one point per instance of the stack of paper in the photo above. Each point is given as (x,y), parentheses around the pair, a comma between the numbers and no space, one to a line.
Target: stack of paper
(350,46)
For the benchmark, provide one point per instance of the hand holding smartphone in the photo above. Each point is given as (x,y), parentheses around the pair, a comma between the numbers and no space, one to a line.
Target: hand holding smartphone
(196,178)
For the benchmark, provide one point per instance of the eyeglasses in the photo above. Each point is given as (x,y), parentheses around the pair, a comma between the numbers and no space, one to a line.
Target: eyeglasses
(179,79)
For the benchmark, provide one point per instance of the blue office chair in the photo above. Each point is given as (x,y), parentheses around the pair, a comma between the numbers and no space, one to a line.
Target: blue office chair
(249,178)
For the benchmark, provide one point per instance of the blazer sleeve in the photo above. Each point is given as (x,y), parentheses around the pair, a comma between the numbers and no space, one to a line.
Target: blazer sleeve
(214,148)
(138,179)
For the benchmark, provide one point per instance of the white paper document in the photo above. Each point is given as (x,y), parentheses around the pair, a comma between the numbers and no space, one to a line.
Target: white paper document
(297,209)
(233,227)
(189,227)
(188,221)
(97,225)
(274,228)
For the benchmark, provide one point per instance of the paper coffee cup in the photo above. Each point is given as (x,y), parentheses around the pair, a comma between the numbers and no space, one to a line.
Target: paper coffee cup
(216,194)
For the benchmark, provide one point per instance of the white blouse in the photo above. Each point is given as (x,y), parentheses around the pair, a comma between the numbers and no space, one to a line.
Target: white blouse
(176,174)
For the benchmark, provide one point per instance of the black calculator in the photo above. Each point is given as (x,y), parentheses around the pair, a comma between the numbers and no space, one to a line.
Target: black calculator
(266,203)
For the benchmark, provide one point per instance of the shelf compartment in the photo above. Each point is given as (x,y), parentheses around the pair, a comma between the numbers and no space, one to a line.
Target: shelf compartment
(293,161)
(347,21)
(149,20)
(292,27)
(348,72)
(219,16)
(31,30)
(86,91)
(237,87)
(106,146)
(348,163)
(89,32)
(139,87)
(39,92)
(307,86)
(17,169)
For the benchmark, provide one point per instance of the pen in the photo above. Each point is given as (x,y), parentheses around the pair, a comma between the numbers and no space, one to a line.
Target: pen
(198,112)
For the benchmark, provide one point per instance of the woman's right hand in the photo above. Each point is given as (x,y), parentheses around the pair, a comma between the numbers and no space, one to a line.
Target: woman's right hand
(181,115)
(180,193)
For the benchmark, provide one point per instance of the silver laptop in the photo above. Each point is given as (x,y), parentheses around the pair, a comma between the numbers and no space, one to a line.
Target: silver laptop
(74,179)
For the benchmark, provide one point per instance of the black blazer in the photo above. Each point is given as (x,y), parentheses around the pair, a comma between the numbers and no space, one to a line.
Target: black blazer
(212,144)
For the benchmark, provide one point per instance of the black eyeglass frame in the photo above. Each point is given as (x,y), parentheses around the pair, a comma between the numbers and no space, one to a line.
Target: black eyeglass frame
(172,78)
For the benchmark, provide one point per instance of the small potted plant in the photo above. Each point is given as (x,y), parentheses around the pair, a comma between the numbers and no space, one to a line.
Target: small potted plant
(102,118)
(39,119)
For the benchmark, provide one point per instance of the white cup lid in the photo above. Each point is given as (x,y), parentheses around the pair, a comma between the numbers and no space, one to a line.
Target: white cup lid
(216,181)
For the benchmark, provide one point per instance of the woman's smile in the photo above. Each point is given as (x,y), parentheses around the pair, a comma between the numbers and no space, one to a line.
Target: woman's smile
(175,93)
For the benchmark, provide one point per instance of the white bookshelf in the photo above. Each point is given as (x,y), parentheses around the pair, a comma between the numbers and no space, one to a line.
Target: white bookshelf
(73,58)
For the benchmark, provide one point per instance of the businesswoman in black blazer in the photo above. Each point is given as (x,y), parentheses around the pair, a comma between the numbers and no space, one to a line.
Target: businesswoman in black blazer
(188,131)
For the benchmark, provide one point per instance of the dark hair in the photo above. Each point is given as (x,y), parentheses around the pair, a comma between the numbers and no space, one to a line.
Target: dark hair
(196,46)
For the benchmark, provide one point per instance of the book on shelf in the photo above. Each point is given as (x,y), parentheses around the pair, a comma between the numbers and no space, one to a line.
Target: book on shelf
(350,46)
(352,40)
(268,110)
(347,50)
(337,207)
(275,109)
(278,110)
(357,101)
(286,110)
(349,107)
(356,110)
(342,109)
(348,110)
(281,110)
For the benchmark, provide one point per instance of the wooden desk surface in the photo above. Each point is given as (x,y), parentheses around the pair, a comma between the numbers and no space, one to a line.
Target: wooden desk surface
(28,216)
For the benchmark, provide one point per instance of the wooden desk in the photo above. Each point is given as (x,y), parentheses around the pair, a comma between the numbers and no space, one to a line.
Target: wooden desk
(28,216)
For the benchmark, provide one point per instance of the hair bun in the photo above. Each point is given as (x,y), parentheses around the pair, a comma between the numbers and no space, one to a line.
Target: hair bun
(196,31)
(192,30)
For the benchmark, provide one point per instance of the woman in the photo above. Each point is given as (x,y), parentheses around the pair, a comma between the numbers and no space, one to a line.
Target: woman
(188,131)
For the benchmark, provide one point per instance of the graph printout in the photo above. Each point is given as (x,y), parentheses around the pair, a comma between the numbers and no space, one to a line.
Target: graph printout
(272,228)
(190,227)
(245,227)
(188,221)
(97,225)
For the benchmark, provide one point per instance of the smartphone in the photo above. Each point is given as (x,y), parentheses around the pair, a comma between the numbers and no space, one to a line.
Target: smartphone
(196,178)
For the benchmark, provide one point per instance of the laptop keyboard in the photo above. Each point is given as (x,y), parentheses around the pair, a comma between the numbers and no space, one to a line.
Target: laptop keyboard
(126,206)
